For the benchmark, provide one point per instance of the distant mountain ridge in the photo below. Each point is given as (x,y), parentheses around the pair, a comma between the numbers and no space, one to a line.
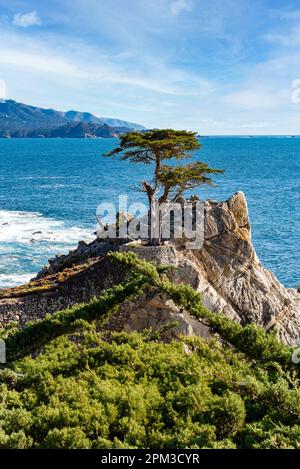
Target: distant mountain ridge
(75,116)
(18,120)
(80,130)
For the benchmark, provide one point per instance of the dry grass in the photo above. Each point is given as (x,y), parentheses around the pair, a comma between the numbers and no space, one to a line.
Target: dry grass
(46,284)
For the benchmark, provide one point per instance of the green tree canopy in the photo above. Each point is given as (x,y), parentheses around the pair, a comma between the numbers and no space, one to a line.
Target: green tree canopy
(160,147)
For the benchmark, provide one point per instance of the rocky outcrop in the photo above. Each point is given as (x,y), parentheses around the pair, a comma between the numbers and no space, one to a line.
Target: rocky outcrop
(226,270)
(228,273)
(232,273)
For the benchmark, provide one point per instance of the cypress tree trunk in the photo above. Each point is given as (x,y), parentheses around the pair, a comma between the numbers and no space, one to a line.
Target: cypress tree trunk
(154,228)
(154,223)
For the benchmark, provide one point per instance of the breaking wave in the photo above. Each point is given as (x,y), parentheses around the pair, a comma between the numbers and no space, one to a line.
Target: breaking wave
(28,240)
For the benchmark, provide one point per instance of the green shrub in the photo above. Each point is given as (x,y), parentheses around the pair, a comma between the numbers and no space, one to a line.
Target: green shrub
(67,438)
(85,390)
(135,392)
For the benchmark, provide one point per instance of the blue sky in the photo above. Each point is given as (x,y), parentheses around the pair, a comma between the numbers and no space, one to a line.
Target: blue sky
(217,67)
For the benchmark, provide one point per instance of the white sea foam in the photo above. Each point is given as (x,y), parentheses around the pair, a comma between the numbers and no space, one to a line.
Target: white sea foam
(52,186)
(26,178)
(30,227)
(12,280)
(28,240)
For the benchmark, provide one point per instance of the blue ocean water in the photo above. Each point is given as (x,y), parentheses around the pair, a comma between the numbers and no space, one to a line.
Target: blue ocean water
(49,191)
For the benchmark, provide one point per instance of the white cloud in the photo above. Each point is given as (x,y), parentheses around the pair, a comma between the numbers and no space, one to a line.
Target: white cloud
(38,62)
(180,5)
(40,57)
(291,39)
(177,84)
(27,19)
(258,97)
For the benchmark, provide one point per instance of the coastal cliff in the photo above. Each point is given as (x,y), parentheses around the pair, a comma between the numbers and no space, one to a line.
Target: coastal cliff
(226,271)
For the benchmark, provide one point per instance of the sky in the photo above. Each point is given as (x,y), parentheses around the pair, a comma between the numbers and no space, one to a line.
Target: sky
(215,67)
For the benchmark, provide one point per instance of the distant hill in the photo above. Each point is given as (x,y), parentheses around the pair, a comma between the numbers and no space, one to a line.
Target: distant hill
(80,130)
(18,120)
(76,116)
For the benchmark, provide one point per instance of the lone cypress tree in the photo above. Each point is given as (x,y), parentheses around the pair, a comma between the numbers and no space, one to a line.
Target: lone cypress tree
(158,147)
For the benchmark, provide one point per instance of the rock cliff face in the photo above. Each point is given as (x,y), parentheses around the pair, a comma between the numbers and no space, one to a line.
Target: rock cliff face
(231,271)
(226,270)
(229,274)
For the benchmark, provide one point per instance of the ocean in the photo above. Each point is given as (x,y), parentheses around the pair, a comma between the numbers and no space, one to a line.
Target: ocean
(49,191)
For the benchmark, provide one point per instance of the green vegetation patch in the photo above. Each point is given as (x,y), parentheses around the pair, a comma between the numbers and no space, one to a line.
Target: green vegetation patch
(90,390)
(135,392)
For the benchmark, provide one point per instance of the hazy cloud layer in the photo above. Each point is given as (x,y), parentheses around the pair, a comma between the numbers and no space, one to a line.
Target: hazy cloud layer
(223,66)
